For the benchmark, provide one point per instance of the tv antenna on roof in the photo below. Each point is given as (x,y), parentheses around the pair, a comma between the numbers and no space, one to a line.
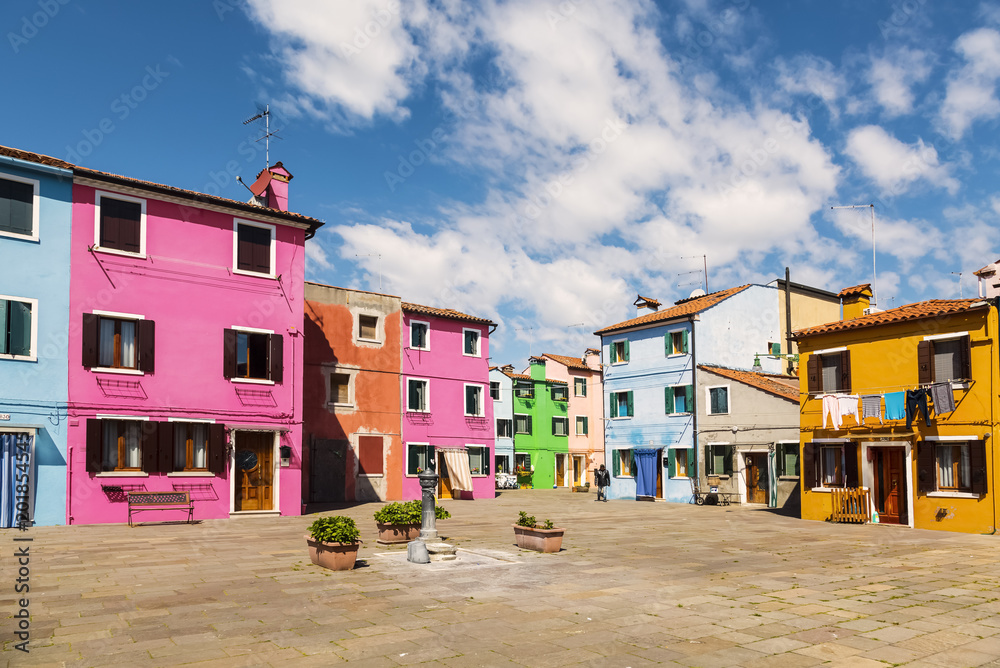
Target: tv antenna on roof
(874,301)
(265,113)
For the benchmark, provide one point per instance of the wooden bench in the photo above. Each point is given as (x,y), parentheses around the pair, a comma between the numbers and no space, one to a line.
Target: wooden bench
(140,501)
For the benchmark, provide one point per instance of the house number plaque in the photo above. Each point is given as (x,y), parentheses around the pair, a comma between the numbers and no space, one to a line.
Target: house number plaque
(5,416)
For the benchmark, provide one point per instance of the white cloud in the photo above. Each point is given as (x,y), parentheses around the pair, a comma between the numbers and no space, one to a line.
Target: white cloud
(812,75)
(316,258)
(971,89)
(893,76)
(907,240)
(895,166)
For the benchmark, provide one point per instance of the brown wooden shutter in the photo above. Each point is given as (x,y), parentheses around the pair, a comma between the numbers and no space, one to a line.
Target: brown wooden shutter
(977,462)
(965,351)
(370,455)
(91,336)
(110,237)
(146,337)
(229,353)
(851,465)
(217,449)
(926,467)
(925,362)
(165,443)
(262,250)
(149,446)
(813,374)
(95,446)
(809,465)
(845,371)
(244,248)
(275,361)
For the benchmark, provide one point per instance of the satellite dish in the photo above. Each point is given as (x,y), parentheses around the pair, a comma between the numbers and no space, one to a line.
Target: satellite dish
(697,292)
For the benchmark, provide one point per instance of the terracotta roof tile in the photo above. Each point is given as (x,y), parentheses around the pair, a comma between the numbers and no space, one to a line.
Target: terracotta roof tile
(762,381)
(855,290)
(681,308)
(27,156)
(933,308)
(571,362)
(445,313)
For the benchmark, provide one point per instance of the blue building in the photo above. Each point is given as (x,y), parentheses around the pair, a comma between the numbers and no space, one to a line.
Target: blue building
(35,208)
(502,394)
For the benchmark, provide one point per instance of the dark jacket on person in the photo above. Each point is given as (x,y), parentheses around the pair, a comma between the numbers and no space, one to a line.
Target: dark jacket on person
(602,478)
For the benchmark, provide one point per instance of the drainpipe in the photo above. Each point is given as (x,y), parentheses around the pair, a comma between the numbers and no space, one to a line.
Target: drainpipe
(788,320)
(694,407)
(69,480)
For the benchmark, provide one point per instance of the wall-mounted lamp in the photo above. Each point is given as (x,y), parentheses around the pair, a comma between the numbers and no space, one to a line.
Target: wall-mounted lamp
(757,368)
(285,452)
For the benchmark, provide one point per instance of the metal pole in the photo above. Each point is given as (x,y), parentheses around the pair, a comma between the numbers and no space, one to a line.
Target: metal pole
(428,485)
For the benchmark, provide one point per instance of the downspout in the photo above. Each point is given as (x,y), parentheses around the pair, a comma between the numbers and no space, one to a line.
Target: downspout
(788,320)
(993,322)
(694,407)
(69,481)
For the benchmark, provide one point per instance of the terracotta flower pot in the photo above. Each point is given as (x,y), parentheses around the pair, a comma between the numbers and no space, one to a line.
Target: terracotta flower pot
(389,534)
(335,556)
(539,540)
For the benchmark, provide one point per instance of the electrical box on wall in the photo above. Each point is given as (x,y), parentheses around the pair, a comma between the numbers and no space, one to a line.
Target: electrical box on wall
(286,455)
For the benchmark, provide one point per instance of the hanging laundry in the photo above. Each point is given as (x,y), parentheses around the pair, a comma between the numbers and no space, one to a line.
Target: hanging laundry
(916,400)
(831,407)
(895,406)
(871,406)
(848,404)
(943,398)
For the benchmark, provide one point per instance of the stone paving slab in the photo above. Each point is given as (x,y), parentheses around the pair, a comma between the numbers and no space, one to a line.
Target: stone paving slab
(636,584)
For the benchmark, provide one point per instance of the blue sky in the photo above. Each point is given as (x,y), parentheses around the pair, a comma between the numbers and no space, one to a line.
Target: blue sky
(541,163)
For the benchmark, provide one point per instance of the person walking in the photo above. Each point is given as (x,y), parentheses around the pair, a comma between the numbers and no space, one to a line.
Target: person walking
(603,478)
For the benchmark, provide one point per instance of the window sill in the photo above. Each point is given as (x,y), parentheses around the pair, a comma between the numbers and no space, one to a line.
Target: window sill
(423,350)
(371,475)
(22,237)
(475,415)
(712,414)
(124,372)
(788,477)
(252,381)
(676,414)
(115,251)
(676,355)
(680,477)
(375,341)
(415,410)
(333,404)
(721,477)
(121,474)
(191,474)
(471,355)
(619,363)
(258,274)
(19,358)
(825,490)
(952,495)
(625,417)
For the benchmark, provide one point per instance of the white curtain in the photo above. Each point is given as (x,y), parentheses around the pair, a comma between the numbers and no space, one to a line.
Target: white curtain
(107,348)
(457,461)
(128,344)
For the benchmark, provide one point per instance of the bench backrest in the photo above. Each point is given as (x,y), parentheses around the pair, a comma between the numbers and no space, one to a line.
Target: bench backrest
(158,498)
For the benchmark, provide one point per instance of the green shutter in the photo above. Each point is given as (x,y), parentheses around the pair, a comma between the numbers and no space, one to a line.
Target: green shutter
(613,405)
(615,463)
(684,341)
(631,408)
(689,399)
(692,469)
(666,344)
(529,425)
(631,462)
(626,351)
(668,400)
(586,426)
(486,461)
(729,460)
(614,353)
(709,461)
(671,464)
(412,459)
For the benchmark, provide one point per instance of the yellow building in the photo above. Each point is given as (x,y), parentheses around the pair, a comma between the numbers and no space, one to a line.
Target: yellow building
(937,473)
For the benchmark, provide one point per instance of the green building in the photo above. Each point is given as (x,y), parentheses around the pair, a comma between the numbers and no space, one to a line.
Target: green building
(541,425)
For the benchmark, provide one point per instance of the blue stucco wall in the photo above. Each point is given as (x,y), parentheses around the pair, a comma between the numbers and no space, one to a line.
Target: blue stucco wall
(34,393)
(731,332)
(503,409)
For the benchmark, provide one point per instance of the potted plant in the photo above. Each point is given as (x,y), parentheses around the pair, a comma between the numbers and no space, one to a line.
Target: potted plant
(334,542)
(530,535)
(400,522)
(524,476)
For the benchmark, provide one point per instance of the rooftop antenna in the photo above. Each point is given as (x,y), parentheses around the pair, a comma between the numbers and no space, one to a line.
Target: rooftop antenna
(874,274)
(961,292)
(265,113)
(704,260)
(379,256)
(530,330)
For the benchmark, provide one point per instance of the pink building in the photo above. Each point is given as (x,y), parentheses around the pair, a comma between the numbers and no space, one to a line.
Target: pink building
(585,411)
(185,354)
(447,411)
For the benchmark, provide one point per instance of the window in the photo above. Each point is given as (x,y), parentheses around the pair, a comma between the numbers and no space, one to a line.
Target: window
(340,388)
(419,335)
(417,395)
(525,390)
(122,445)
(18,329)
(560,426)
(522,462)
(494,390)
(370,455)
(677,463)
(522,424)
(954,470)
(621,404)
(718,400)
(505,428)
(252,355)
(788,459)
(474,400)
(419,458)
(679,399)
(581,425)
(829,372)
(831,462)
(677,342)
(190,446)
(940,360)
(118,341)
(719,459)
(955,467)
(254,248)
(619,352)
(579,387)
(470,342)
(560,393)
(18,207)
(621,463)
(479,460)
(121,223)
(502,464)
(368,327)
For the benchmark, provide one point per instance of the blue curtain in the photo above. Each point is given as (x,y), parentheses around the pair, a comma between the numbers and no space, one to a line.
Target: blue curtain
(8,475)
(645,471)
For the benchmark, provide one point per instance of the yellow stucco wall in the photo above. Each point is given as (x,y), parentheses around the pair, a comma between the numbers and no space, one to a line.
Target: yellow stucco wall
(807,311)
(884,359)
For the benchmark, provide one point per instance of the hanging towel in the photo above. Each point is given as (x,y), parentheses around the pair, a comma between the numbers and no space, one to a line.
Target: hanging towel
(895,406)
(871,406)
(943,398)
(848,404)
(831,407)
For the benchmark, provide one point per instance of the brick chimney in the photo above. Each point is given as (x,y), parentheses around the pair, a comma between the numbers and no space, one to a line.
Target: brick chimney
(646,302)
(855,300)
(271,187)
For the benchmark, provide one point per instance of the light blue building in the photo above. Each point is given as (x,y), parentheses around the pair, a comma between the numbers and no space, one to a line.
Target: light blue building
(35,207)
(502,393)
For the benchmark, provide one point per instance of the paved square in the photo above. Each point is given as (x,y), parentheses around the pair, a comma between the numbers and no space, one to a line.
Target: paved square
(636,584)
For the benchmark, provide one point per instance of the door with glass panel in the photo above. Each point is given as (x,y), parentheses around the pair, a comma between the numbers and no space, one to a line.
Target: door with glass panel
(254,459)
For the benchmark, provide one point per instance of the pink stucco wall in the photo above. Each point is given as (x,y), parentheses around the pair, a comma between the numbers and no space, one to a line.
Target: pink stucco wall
(448,370)
(591,406)
(187,286)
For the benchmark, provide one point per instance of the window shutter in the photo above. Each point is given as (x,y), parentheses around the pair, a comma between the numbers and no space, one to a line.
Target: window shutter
(729,460)
(91,336)
(851,465)
(95,449)
(244,248)
(684,341)
(150,447)
(217,449)
(616,467)
(668,400)
(810,472)
(147,343)
(671,464)
(613,405)
(689,399)
(275,358)
(370,454)
(129,231)
(614,353)
(626,351)
(629,403)
(813,377)
(165,444)
(110,237)
(925,362)
(583,386)
(554,426)
(486,461)
(709,461)
(668,347)
(262,250)
(977,464)
(586,425)
(692,471)
(529,425)
(229,353)
(412,459)
(926,467)
(845,371)
(965,351)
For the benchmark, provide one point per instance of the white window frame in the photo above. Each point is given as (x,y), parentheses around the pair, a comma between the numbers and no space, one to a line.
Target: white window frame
(409,343)
(708,399)
(482,399)
(350,373)
(196,473)
(431,458)
(379,327)
(618,402)
(485,457)
(556,386)
(798,455)
(955,384)
(621,463)
(721,474)
(35,201)
(479,342)
(503,419)
(612,355)
(690,409)
(32,355)
(687,465)
(118,316)
(236,247)
(499,397)
(576,422)
(427,395)
(252,330)
(576,379)
(100,194)
(843,465)
(565,418)
(127,473)
(670,333)
(514,425)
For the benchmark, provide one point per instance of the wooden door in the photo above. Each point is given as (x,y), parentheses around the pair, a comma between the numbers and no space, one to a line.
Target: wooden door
(560,470)
(659,474)
(576,471)
(756,478)
(327,470)
(444,482)
(254,470)
(890,485)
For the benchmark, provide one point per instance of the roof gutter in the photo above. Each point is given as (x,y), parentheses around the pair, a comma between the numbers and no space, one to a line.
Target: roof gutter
(36,166)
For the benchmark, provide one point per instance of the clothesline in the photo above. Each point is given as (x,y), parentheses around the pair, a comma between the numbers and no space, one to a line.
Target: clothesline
(881,388)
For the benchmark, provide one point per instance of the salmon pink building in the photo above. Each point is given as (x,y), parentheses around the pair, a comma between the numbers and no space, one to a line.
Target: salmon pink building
(185,353)
(447,413)
(585,444)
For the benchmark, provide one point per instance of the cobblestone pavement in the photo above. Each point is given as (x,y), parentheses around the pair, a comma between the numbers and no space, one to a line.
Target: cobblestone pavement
(636,584)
